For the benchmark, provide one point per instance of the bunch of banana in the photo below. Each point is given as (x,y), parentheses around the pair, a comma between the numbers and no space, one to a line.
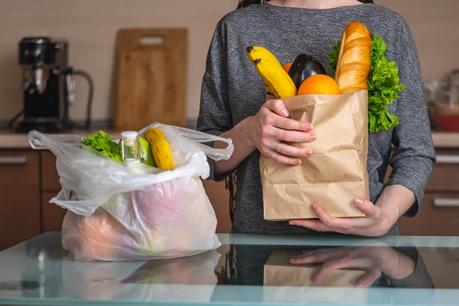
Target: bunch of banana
(161,149)
(277,81)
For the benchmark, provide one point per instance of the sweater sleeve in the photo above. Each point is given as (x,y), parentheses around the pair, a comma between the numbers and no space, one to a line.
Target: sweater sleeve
(413,155)
(214,112)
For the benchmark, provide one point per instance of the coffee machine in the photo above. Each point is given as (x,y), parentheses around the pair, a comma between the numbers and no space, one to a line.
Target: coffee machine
(48,86)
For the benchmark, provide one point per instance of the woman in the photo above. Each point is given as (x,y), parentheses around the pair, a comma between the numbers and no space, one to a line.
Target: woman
(233,105)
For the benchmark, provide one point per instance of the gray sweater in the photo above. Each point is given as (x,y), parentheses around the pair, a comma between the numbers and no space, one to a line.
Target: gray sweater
(232,90)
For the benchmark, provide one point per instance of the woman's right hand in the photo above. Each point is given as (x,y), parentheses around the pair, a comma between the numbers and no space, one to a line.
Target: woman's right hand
(271,131)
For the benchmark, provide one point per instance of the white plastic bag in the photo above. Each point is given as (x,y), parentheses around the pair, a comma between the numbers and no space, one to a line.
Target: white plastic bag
(114,214)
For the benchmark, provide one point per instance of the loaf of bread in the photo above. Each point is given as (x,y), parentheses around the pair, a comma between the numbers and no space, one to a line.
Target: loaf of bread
(354,58)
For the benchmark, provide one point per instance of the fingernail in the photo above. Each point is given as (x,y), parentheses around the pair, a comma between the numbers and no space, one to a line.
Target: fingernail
(359,201)
(285,112)
(291,222)
(313,136)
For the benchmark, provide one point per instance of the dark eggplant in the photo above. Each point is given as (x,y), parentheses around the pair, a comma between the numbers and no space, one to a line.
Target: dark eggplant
(303,67)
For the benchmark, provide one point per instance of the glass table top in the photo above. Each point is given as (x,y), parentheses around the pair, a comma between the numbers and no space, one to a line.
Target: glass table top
(245,270)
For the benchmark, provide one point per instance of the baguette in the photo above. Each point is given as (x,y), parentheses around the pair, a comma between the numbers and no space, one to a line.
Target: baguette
(354,58)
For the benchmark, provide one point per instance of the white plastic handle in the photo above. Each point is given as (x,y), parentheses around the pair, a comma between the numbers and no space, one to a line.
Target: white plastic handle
(39,141)
(35,140)
(200,137)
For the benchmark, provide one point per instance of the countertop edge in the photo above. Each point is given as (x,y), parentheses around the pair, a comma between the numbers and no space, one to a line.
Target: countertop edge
(9,141)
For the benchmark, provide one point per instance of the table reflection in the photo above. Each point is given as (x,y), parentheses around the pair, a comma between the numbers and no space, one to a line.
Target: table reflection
(40,271)
(377,265)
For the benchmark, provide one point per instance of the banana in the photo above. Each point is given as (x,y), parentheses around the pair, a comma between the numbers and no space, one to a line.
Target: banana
(276,79)
(160,148)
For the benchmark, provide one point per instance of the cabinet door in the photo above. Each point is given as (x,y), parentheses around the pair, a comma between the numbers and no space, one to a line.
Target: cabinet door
(219,197)
(49,177)
(445,173)
(20,196)
(439,216)
(439,213)
(51,214)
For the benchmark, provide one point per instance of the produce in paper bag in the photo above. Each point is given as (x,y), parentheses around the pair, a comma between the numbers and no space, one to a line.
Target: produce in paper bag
(336,172)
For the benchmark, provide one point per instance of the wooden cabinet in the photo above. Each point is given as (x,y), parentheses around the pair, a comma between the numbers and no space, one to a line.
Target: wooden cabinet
(439,214)
(219,197)
(28,180)
(49,177)
(51,214)
(434,218)
(20,196)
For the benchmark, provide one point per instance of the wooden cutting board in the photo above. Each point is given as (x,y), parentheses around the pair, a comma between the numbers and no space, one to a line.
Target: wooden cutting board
(151,70)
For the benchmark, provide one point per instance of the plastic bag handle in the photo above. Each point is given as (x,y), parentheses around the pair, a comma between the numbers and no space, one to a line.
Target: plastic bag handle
(36,141)
(202,138)
(39,141)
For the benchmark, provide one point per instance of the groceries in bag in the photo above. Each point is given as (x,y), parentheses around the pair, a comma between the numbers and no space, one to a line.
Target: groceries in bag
(383,83)
(337,106)
(115,213)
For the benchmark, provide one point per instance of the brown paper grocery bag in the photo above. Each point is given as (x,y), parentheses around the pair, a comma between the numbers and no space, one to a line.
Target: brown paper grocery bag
(336,173)
(279,272)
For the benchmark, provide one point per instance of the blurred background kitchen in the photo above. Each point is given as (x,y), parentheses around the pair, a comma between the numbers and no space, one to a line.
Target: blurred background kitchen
(28,178)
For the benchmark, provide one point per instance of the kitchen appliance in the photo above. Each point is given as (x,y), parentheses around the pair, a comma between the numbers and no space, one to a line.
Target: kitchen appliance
(48,86)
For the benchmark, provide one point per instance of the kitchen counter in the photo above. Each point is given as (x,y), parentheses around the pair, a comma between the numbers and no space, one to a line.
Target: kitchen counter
(245,270)
(19,141)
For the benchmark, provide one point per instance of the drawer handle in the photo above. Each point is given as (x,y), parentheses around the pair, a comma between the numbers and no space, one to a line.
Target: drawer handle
(13,160)
(445,202)
(447,159)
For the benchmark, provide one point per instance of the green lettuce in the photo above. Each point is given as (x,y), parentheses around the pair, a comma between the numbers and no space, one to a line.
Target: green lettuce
(104,144)
(383,85)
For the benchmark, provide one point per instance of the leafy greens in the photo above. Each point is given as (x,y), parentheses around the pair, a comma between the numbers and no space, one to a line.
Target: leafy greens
(104,144)
(383,85)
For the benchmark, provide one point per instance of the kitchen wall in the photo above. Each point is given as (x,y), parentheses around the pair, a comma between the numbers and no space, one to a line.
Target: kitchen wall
(90,26)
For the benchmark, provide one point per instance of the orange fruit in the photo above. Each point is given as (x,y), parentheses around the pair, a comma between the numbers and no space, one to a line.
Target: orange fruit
(319,84)
(287,66)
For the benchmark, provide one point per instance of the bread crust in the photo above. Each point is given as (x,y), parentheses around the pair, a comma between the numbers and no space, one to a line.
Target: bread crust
(354,58)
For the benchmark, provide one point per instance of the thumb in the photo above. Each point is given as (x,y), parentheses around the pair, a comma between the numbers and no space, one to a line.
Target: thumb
(367,207)
(277,106)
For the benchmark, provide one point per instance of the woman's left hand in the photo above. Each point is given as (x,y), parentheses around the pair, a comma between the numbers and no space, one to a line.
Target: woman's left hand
(376,222)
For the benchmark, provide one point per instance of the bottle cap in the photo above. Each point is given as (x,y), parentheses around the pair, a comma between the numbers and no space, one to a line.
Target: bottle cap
(129,136)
